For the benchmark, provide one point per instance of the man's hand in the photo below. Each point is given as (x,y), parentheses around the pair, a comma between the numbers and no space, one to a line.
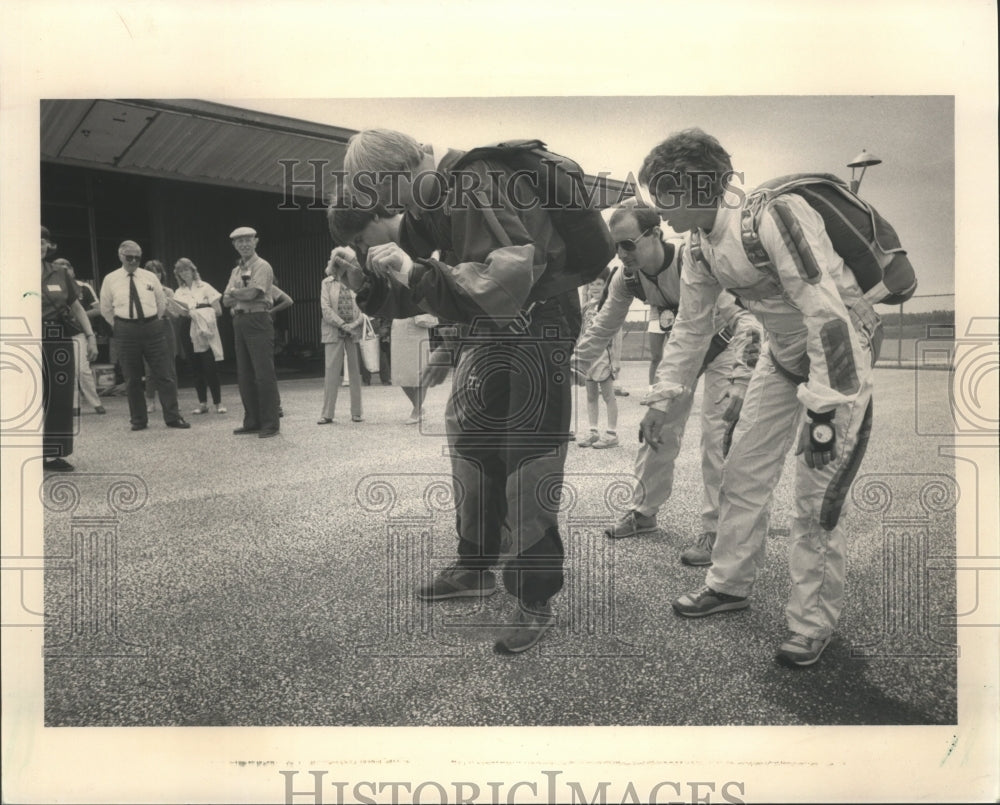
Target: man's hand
(751,352)
(344,267)
(817,455)
(650,427)
(437,368)
(389,258)
(733,399)
(91,348)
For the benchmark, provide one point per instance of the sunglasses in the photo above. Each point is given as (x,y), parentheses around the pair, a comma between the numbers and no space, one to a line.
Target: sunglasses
(630,244)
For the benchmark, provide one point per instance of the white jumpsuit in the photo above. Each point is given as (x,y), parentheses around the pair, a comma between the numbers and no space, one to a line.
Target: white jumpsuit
(803,306)
(654,469)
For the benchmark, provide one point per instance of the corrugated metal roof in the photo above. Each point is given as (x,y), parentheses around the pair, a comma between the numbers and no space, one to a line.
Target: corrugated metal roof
(188,141)
(191,140)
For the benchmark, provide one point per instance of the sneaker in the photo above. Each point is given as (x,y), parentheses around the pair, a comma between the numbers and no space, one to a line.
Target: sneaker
(700,553)
(801,650)
(220,409)
(707,602)
(201,409)
(58,465)
(607,440)
(150,407)
(530,625)
(632,524)
(588,439)
(100,409)
(459,582)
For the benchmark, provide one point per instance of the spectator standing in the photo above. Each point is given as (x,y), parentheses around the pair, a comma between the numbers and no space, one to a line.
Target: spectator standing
(600,379)
(60,305)
(133,302)
(248,293)
(200,338)
(339,330)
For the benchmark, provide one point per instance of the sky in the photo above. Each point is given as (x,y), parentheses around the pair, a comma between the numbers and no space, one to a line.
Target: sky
(767,136)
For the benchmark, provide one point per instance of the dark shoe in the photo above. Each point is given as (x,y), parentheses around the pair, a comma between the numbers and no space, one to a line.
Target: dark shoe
(530,625)
(142,426)
(267,434)
(632,524)
(240,431)
(58,465)
(179,423)
(325,421)
(99,409)
(801,650)
(707,601)
(700,553)
(459,582)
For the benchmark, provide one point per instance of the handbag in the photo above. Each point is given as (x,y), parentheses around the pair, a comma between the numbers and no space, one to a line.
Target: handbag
(369,344)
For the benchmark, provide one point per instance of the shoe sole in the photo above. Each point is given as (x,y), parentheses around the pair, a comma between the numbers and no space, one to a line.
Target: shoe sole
(788,660)
(730,607)
(610,533)
(502,648)
(458,594)
(691,563)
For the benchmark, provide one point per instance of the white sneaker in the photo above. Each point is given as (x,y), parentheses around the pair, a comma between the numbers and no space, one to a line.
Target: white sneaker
(201,409)
(220,409)
(607,440)
(588,439)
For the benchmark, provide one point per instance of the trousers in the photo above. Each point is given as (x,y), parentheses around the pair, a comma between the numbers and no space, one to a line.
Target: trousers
(654,469)
(507,422)
(335,352)
(770,421)
(253,338)
(58,387)
(147,341)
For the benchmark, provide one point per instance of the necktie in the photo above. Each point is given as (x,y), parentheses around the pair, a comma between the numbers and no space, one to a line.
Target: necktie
(134,305)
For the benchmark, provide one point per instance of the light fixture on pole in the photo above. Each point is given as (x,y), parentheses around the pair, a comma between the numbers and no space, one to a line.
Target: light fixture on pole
(862,160)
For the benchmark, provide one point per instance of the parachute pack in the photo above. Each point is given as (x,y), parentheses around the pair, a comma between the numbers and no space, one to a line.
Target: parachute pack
(560,186)
(866,242)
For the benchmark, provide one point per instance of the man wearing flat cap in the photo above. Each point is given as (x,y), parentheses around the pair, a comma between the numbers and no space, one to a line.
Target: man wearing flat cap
(248,294)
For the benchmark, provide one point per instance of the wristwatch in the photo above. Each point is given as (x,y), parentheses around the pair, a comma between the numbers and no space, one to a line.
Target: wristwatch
(821,432)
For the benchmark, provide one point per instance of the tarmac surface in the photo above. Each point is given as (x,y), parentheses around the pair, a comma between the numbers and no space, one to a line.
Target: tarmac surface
(247,582)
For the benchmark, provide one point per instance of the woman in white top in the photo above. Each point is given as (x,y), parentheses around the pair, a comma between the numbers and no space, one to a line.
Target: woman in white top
(201,306)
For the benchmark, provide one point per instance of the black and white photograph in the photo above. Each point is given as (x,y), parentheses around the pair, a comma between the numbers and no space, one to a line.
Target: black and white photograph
(664,467)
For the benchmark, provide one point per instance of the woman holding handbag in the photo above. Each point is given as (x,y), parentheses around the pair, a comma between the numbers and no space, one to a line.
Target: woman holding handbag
(340,331)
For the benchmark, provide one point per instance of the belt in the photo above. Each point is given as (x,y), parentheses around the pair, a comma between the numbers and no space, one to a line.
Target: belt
(141,320)
(240,312)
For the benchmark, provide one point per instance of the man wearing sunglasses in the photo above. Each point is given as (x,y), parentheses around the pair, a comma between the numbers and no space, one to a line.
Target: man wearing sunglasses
(132,302)
(652,271)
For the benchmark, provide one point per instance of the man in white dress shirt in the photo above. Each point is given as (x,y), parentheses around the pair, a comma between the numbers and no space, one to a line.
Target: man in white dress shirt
(132,302)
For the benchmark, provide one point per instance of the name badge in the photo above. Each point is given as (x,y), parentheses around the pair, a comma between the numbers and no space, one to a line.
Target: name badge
(53,288)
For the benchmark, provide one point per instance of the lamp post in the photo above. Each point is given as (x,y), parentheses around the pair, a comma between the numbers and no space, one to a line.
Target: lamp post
(862,160)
